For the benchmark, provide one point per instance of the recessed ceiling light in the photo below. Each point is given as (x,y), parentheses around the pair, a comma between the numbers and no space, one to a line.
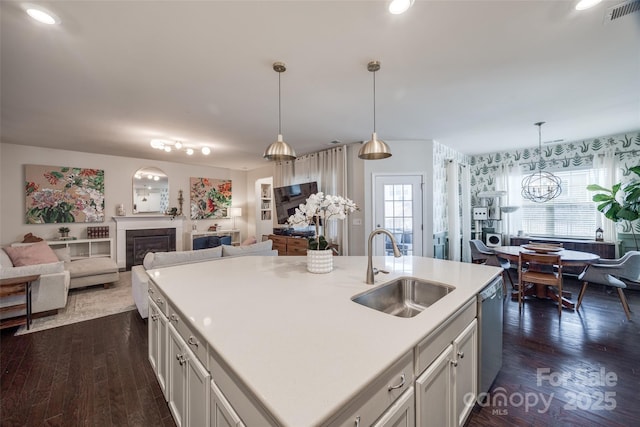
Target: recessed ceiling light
(206,151)
(41,15)
(397,7)
(586,4)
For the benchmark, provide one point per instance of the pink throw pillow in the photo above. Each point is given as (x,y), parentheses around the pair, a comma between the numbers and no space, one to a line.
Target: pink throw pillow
(248,241)
(38,253)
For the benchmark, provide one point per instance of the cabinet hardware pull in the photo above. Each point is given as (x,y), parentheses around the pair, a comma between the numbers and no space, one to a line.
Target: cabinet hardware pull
(454,363)
(393,387)
(358,421)
(461,354)
(193,341)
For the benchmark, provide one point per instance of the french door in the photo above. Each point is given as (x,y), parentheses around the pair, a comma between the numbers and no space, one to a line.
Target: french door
(397,205)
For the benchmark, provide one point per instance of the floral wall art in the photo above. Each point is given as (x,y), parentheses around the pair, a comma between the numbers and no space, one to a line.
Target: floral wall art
(210,198)
(60,194)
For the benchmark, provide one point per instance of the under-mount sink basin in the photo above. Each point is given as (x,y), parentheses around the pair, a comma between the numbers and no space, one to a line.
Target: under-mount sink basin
(403,297)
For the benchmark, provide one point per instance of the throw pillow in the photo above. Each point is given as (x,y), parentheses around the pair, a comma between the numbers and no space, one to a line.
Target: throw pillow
(37,253)
(246,250)
(248,241)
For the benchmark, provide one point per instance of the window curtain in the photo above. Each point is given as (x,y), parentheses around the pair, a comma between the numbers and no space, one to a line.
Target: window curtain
(604,173)
(329,169)
(459,210)
(512,176)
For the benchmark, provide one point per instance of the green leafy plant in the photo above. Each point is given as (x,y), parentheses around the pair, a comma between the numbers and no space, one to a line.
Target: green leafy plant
(621,202)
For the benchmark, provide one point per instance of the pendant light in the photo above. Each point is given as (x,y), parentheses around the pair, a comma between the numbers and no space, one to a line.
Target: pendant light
(375,148)
(541,186)
(279,150)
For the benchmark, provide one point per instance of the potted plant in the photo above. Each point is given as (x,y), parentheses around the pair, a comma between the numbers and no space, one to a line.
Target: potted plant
(317,210)
(621,202)
(64,231)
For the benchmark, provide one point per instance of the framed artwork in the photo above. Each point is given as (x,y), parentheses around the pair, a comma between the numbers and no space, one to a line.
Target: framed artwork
(60,194)
(210,198)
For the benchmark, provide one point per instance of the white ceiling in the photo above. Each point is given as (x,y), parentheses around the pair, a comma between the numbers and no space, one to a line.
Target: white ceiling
(473,75)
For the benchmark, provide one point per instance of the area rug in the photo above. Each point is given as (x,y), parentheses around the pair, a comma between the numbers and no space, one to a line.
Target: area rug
(88,303)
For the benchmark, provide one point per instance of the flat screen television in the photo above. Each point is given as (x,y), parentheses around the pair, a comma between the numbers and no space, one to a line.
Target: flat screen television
(289,197)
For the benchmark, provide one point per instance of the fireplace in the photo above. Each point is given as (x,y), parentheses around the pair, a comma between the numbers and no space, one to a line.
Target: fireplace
(140,242)
(124,224)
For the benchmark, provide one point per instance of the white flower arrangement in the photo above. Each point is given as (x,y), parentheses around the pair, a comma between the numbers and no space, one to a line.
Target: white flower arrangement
(320,208)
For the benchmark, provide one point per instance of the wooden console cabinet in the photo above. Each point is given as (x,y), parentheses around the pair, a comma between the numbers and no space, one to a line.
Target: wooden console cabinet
(288,245)
(606,250)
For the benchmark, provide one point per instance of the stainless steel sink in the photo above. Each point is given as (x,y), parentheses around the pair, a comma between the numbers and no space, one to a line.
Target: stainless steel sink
(403,297)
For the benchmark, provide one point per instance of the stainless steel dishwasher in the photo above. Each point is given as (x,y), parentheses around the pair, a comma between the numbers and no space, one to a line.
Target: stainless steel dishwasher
(490,318)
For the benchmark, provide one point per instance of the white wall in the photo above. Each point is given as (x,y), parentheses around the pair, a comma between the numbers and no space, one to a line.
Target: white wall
(119,173)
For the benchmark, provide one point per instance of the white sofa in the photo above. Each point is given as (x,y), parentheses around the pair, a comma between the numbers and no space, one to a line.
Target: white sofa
(48,293)
(140,279)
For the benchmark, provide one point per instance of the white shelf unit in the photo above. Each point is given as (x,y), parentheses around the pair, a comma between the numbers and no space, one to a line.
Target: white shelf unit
(264,211)
(86,248)
(266,202)
(235,236)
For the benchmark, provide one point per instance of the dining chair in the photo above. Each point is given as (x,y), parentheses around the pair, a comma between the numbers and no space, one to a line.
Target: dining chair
(481,254)
(538,270)
(608,272)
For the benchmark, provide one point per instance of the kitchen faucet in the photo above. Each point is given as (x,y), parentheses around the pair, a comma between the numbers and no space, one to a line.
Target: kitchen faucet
(371,272)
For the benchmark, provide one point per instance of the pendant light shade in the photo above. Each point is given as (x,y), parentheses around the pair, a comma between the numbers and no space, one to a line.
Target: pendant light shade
(541,186)
(279,150)
(375,148)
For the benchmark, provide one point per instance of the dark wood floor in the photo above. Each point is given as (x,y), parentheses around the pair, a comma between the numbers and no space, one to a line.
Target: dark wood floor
(96,372)
(93,373)
(586,364)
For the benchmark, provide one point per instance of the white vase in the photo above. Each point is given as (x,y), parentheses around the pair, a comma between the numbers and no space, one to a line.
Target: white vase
(319,261)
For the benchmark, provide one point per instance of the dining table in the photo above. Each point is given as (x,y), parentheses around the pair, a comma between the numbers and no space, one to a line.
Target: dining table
(567,257)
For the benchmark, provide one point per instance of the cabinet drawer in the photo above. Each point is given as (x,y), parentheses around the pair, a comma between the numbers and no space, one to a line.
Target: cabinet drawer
(296,251)
(430,347)
(297,243)
(374,400)
(194,340)
(158,298)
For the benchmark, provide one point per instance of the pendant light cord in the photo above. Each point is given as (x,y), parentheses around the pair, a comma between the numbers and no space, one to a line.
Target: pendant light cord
(374,101)
(279,108)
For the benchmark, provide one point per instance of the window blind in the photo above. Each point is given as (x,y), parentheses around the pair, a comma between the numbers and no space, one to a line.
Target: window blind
(573,214)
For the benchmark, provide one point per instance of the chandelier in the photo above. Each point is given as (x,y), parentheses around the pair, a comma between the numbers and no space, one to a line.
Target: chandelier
(541,186)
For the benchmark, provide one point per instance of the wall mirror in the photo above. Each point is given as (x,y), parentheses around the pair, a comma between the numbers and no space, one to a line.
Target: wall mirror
(150,191)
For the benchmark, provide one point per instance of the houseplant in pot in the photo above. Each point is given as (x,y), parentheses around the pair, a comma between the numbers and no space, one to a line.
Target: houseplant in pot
(621,202)
(64,232)
(317,210)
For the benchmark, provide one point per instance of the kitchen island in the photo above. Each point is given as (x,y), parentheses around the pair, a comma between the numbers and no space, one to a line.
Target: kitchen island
(282,346)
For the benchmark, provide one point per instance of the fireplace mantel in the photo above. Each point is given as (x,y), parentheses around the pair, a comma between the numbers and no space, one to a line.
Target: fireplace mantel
(140,222)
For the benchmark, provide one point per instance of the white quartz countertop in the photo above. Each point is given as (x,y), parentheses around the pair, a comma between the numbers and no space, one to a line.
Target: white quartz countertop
(295,338)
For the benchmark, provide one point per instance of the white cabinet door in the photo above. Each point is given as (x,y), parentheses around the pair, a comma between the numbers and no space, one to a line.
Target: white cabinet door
(434,393)
(198,385)
(401,413)
(158,345)
(152,327)
(465,351)
(163,352)
(222,414)
(177,377)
